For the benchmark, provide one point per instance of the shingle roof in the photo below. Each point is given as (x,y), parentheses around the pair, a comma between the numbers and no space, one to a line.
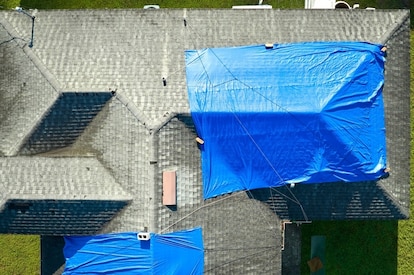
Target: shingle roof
(146,127)
(58,217)
(94,50)
(65,121)
(77,195)
(332,201)
(387,198)
(22,81)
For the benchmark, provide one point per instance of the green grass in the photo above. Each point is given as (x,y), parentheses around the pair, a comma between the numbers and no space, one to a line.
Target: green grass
(82,4)
(354,247)
(99,4)
(365,247)
(19,254)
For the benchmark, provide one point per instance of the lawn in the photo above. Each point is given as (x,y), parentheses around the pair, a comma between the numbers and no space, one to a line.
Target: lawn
(359,247)
(82,4)
(354,247)
(19,254)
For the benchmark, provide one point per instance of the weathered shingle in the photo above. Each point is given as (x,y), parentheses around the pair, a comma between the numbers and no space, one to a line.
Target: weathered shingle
(57,196)
(24,94)
(94,50)
(58,217)
(333,201)
(65,121)
(58,178)
(146,127)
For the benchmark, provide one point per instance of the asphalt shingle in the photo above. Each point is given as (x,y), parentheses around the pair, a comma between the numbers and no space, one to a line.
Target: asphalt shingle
(146,127)
(56,196)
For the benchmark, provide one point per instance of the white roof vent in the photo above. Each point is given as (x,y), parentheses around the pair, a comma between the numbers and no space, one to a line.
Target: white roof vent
(144,236)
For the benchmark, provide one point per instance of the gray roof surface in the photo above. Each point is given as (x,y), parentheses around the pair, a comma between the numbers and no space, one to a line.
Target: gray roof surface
(94,50)
(55,196)
(58,217)
(19,96)
(65,121)
(146,128)
(58,178)
(332,201)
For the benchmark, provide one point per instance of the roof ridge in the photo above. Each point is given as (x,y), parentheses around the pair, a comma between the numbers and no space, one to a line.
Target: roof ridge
(393,28)
(403,210)
(43,69)
(8,28)
(68,118)
(130,105)
(32,56)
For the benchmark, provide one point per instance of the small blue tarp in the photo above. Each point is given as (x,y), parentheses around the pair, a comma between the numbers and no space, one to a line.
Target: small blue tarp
(122,253)
(292,113)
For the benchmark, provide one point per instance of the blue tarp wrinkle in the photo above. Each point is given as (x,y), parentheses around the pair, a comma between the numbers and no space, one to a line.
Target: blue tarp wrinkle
(295,113)
(122,253)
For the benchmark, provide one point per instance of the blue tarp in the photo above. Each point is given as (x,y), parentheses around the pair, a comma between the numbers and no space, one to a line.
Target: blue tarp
(174,253)
(295,113)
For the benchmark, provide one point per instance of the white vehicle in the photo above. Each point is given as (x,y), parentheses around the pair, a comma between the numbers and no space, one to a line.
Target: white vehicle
(329,4)
(149,7)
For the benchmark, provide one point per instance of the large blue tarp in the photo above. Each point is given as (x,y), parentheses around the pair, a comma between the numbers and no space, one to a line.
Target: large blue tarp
(292,113)
(122,253)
